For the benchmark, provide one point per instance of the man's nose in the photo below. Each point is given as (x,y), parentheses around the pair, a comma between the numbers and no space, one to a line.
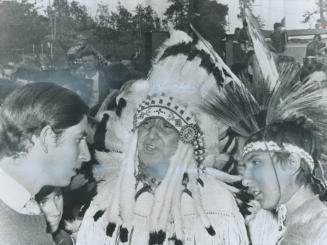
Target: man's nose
(84,155)
(54,209)
(153,132)
(246,180)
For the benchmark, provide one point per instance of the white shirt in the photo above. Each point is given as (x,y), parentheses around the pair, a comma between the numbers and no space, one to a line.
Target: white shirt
(95,89)
(14,195)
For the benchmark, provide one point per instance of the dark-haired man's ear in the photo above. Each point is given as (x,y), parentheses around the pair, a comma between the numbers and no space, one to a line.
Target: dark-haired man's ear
(47,138)
(294,163)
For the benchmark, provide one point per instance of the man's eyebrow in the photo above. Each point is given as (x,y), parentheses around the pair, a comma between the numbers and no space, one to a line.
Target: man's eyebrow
(252,157)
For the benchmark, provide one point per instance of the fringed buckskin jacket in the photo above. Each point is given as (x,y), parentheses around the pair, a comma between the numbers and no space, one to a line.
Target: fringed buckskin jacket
(219,205)
(307,225)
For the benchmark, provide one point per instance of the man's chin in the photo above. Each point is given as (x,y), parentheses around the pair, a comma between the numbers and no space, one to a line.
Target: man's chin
(54,227)
(268,206)
(150,159)
(65,180)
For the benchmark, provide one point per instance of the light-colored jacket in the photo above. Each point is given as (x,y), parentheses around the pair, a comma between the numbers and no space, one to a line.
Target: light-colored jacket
(219,205)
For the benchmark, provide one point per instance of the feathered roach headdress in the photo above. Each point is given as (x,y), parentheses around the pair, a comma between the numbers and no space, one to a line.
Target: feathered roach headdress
(255,109)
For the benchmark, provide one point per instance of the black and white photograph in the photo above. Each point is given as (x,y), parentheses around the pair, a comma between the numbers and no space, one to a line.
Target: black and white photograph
(163,122)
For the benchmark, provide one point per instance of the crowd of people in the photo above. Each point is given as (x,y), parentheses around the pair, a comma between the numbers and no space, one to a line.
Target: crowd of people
(87,76)
(193,154)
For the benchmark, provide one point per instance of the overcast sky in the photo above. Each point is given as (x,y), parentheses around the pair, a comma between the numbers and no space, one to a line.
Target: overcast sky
(270,10)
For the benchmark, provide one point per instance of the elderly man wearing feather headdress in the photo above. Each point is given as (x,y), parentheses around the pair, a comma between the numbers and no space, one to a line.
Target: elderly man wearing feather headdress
(161,187)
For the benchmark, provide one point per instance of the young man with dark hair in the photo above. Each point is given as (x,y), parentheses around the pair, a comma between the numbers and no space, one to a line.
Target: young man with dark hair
(279,171)
(42,142)
(283,169)
(99,85)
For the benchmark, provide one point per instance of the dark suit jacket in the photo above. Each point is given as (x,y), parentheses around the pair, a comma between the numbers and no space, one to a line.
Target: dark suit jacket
(104,86)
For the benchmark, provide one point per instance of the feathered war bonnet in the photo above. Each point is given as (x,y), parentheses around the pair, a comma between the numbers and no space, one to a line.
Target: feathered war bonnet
(275,111)
(182,74)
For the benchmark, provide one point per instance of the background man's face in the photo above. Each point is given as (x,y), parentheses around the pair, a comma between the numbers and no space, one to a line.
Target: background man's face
(52,206)
(260,179)
(157,142)
(89,62)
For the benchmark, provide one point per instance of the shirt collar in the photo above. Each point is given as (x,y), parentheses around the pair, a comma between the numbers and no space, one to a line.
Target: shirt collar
(95,76)
(12,193)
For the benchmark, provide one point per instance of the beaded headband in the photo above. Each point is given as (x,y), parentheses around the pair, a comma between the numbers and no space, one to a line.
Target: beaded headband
(274,147)
(180,117)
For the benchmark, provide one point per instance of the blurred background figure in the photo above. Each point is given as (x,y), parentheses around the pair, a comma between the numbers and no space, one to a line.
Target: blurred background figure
(315,47)
(279,39)
(98,85)
(52,204)
(243,37)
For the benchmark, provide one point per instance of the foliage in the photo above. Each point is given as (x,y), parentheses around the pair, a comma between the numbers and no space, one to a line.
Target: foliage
(199,12)
(20,25)
(208,17)
(320,9)
(178,14)
(142,19)
(249,4)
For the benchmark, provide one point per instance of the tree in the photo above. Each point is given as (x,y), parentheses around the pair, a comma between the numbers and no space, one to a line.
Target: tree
(178,14)
(79,15)
(208,17)
(122,20)
(21,26)
(249,4)
(211,22)
(320,10)
(103,16)
(70,17)
(146,19)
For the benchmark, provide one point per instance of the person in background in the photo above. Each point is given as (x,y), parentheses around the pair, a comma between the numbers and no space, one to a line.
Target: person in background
(243,37)
(42,142)
(315,47)
(51,202)
(99,85)
(279,39)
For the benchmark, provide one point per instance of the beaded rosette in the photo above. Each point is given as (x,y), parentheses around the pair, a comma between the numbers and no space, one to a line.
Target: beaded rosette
(175,114)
